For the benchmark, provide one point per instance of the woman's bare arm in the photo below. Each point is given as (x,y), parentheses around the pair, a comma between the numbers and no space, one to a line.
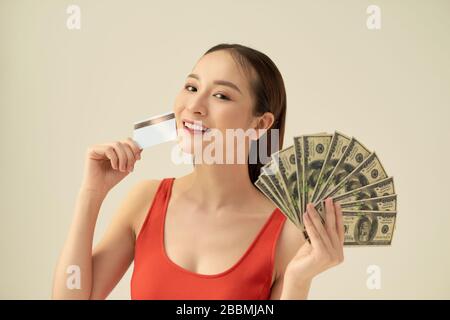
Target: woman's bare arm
(290,240)
(101,268)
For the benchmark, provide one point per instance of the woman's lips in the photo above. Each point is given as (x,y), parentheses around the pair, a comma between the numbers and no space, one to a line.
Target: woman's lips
(193,128)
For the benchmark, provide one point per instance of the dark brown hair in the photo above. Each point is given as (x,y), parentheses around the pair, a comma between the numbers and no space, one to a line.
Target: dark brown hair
(268,90)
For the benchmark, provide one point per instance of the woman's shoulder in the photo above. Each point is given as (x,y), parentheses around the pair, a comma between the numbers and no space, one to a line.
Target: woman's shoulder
(289,242)
(144,189)
(140,197)
(290,236)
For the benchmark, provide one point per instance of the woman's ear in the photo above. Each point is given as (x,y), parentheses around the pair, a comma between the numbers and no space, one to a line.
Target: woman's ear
(263,123)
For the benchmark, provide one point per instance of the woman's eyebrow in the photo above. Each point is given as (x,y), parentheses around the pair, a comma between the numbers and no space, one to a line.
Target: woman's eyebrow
(218,82)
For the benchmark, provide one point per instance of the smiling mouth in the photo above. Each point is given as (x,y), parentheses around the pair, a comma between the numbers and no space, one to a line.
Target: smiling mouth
(194,128)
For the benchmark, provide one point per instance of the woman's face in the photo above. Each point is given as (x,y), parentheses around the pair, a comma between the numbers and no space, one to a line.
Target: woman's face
(217,95)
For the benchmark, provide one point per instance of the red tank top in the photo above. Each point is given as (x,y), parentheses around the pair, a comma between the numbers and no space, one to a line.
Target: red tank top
(157,277)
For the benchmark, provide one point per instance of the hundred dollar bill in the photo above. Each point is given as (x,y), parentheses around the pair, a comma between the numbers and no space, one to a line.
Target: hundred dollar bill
(265,190)
(263,183)
(298,151)
(370,171)
(353,156)
(280,198)
(386,203)
(286,162)
(275,194)
(271,170)
(368,228)
(315,149)
(338,144)
(381,188)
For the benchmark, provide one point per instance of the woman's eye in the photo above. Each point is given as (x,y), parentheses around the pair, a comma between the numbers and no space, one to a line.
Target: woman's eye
(221,96)
(194,89)
(190,88)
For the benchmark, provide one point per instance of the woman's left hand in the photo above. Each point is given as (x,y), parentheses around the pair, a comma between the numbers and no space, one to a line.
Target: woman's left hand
(326,247)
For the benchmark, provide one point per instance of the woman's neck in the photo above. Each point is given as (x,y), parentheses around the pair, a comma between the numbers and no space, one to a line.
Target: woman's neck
(218,185)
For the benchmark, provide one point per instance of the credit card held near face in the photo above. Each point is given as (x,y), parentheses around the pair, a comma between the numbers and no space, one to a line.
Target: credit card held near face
(155,130)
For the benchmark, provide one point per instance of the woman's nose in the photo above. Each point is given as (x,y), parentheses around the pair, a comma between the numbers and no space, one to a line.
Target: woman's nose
(197,105)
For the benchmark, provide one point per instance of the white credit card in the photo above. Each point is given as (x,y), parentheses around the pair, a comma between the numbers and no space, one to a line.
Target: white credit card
(155,130)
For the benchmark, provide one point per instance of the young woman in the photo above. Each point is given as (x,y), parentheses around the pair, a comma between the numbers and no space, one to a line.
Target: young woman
(210,234)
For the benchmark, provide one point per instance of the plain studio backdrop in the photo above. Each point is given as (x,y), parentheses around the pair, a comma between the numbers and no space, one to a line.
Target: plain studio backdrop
(64,89)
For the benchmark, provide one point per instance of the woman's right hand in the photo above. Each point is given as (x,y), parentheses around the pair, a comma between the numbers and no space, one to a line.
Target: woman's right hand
(107,164)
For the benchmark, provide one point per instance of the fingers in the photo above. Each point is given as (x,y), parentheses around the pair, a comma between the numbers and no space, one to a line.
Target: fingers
(328,233)
(330,217)
(330,223)
(112,156)
(315,240)
(339,223)
(135,147)
(315,218)
(121,154)
(127,153)
(130,157)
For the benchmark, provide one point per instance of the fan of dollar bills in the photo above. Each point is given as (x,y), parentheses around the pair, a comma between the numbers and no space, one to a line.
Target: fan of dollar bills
(319,166)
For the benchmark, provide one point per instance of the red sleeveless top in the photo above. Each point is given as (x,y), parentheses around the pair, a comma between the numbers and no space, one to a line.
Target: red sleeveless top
(156,277)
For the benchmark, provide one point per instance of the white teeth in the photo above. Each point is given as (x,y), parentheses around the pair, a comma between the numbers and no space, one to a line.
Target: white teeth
(194,126)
